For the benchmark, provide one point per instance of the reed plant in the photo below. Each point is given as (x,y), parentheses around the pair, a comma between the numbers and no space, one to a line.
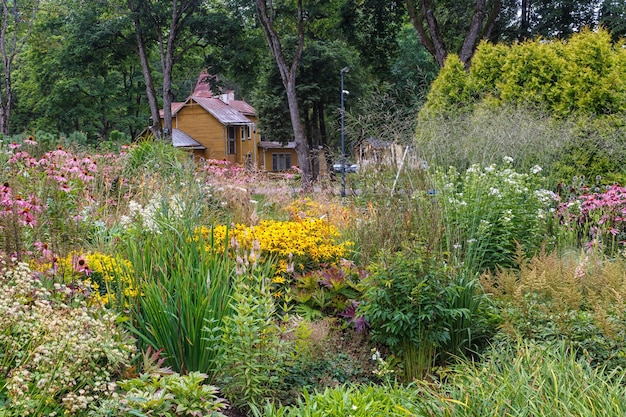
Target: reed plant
(394,209)
(485,136)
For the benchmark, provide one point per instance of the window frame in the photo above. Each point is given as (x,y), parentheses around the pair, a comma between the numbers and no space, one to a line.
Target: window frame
(231,140)
(281,159)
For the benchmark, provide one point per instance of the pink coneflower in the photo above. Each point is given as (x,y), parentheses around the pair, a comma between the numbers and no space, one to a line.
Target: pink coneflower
(26,217)
(79,263)
(46,253)
(14,145)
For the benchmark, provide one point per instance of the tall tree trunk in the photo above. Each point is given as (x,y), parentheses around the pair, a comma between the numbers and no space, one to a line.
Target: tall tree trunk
(14,32)
(147,73)
(181,10)
(525,20)
(168,63)
(288,76)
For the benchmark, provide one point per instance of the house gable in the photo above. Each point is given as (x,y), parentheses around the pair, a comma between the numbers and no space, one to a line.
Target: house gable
(215,126)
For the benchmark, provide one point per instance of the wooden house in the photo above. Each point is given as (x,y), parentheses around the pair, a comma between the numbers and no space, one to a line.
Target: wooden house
(220,127)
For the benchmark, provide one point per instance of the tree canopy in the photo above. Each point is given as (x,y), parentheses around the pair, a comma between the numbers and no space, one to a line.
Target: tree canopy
(99,66)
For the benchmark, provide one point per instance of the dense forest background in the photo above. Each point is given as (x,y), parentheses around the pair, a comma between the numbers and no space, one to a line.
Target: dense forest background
(88,69)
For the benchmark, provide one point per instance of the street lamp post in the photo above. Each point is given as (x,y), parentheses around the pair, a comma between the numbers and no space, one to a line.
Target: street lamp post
(343,144)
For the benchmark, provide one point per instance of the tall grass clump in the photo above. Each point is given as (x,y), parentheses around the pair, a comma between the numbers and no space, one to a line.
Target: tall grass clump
(152,156)
(182,285)
(485,136)
(526,380)
(396,207)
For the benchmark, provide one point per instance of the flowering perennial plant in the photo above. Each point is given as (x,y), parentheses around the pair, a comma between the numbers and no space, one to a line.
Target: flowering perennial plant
(16,213)
(56,193)
(295,246)
(599,216)
(58,355)
(489,210)
(306,243)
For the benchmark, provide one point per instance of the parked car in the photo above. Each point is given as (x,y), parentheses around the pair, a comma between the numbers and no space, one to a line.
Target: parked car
(348,167)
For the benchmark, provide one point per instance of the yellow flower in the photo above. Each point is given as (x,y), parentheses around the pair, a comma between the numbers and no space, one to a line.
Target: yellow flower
(278,279)
(311,240)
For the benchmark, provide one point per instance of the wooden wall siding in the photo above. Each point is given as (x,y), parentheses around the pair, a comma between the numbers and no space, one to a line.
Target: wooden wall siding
(204,128)
(266,157)
(196,122)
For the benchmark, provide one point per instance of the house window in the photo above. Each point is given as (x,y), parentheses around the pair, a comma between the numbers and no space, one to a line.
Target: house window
(244,132)
(281,161)
(231,141)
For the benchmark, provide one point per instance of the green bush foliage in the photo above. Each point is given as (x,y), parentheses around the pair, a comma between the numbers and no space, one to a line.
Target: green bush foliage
(571,299)
(583,75)
(169,395)
(413,304)
(513,381)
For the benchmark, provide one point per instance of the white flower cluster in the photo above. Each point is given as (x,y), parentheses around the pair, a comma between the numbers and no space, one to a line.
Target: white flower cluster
(147,215)
(55,352)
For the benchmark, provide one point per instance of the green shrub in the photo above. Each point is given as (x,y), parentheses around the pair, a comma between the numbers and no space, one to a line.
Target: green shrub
(413,303)
(583,76)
